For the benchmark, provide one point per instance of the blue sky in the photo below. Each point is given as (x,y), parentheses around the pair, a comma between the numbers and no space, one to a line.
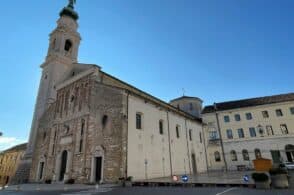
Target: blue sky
(216,50)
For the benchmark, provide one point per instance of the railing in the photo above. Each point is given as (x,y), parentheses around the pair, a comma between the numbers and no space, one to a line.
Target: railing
(214,141)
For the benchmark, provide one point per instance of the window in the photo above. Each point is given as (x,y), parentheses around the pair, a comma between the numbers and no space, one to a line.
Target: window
(72,98)
(252,132)
(269,130)
(44,136)
(292,110)
(53,44)
(161,127)
(200,137)
(53,145)
(265,114)
(213,135)
(284,129)
(260,130)
(257,153)
(234,155)
(241,133)
(191,106)
(190,134)
(104,121)
(279,112)
(138,121)
(66,129)
(81,145)
(229,134)
(226,119)
(245,155)
(178,131)
(237,117)
(82,135)
(248,116)
(67,45)
(217,156)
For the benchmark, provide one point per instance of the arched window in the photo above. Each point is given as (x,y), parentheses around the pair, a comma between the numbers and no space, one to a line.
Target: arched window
(53,44)
(161,127)
(44,136)
(68,45)
(82,135)
(139,120)
(257,153)
(245,155)
(217,156)
(104,121)
(190,134)
(178,131)
(233,155)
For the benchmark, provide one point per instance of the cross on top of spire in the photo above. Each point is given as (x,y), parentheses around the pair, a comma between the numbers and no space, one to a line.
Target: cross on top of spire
(69,10)
(71,3)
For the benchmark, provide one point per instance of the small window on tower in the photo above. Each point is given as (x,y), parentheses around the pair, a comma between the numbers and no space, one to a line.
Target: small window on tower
(67,45)
(104,120)
(53,44)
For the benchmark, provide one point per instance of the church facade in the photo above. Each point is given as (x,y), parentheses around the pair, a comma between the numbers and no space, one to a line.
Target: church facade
(91,127)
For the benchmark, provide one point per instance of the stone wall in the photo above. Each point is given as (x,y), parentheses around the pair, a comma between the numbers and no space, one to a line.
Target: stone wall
(98,110)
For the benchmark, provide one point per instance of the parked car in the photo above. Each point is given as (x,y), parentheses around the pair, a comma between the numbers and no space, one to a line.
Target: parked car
(287,166)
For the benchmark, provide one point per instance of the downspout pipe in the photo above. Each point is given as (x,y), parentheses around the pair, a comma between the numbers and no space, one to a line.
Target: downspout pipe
(204,142)
(188,149)
(126,171)
(169,146)
(220,134)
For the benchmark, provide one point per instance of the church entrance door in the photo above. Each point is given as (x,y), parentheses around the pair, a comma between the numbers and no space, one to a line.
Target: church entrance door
(98,169)
(41,170)
(63,165)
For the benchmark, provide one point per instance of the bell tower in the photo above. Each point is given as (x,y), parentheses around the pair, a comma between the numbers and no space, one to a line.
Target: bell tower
(65,40)
(62,54)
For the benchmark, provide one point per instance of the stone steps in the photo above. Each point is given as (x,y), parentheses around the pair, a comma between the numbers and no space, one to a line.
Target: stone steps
(22,173)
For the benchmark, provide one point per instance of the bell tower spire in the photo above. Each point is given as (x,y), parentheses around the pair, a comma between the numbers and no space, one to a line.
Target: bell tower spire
(65,40)
(62,54)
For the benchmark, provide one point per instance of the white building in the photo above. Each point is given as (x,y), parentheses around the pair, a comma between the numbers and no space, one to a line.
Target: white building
(239,131)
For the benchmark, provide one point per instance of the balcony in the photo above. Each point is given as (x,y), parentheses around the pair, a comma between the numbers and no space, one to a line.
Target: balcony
(214,141)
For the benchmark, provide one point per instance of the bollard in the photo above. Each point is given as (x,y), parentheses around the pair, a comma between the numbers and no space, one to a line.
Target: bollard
(97,187)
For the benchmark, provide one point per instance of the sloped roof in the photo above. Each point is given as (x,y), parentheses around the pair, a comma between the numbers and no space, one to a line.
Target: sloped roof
(17,148)
(249,102)
(146,95)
